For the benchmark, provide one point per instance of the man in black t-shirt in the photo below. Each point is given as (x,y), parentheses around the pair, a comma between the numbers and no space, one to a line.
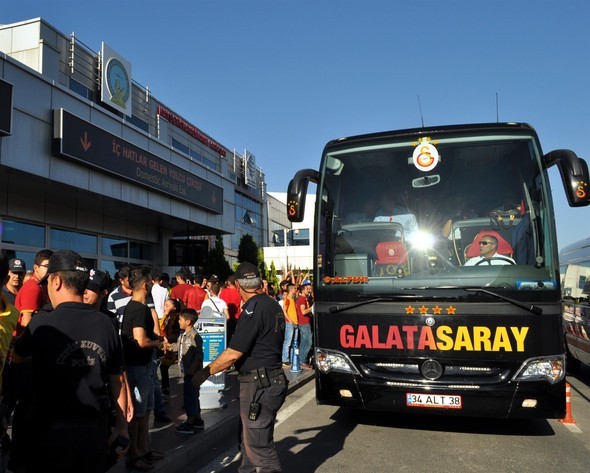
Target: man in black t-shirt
(255,350)
(75,351)
(139,342)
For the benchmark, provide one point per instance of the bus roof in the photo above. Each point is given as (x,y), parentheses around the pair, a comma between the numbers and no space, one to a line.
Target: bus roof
(470,128)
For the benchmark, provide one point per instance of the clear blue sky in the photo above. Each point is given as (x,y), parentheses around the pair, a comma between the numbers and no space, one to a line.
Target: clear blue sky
(281,78)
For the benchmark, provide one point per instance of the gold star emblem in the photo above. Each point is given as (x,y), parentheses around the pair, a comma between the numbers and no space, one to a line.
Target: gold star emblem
(451,310)
(409,310)
(437,310)
(423,310)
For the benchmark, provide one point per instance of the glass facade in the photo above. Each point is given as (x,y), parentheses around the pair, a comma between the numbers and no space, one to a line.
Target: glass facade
(26,234)
(68,240)
(23,240)
(195,155)
(248,217)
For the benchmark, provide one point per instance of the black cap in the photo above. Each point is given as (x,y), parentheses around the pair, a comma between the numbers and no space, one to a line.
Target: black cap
(17,265)
(64,260)
(247,271)
(98,281)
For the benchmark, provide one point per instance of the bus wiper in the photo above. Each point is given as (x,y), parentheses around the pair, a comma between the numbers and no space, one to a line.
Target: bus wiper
(531,308)
(339,308)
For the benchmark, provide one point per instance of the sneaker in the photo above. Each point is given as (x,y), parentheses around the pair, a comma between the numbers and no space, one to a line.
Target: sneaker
(185,428)
(153,456)
(286,365)
(198,424)
(161,416)
(139,464)
(305,366)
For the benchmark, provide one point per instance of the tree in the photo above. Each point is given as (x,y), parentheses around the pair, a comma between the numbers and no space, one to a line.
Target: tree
(262,265)
(217,264)
(273,279)
(248,250)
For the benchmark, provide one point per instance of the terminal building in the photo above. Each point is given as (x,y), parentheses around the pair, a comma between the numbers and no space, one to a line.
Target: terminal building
(91,161)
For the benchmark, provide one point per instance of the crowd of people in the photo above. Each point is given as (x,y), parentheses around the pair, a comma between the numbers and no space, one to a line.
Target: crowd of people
(80,355)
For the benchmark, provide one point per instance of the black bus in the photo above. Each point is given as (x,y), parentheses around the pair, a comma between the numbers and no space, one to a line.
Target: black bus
(436,283)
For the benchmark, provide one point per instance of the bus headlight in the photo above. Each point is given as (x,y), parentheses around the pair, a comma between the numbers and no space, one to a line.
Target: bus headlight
(331,360)
(550,369)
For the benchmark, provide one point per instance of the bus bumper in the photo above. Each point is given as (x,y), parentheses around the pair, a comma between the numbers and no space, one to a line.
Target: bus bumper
(533,399)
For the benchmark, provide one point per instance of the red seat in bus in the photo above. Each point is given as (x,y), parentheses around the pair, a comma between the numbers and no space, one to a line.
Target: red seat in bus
(391,252)
(503,249)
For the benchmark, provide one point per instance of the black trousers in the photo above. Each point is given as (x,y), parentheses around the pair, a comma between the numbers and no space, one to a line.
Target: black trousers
(257,441)
(70,449)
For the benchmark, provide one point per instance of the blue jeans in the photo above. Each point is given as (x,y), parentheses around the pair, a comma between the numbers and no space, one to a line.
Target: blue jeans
(158,402)
(305,332)
(141,383)
(192,406)
(290,337)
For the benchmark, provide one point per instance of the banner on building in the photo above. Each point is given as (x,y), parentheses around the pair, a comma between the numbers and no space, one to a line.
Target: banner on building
(116,80)
(250,169)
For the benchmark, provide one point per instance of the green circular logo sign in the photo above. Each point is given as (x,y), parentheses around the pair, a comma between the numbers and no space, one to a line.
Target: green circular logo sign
(118,83)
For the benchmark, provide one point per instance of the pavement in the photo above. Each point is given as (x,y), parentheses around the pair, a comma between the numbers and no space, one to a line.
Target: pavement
(221,425)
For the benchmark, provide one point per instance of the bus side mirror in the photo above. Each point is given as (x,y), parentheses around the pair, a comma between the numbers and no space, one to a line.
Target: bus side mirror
(574,175)
(297,192)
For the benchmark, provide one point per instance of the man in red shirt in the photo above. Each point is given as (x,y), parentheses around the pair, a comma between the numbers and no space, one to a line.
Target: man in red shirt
(182,288)
(18,378)
(196,295)
(232,298)
(31,297)
(304,320)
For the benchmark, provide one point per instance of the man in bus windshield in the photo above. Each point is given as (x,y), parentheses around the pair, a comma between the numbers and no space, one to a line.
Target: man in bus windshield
(488,246)
(390,212)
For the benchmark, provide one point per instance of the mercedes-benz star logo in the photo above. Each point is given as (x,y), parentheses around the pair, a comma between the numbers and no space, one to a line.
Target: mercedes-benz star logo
(431,369)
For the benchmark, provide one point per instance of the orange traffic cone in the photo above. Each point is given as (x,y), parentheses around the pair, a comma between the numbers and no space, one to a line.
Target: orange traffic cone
(568,419)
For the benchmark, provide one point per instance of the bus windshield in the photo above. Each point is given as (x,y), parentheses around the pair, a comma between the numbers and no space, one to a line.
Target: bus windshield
(448,210)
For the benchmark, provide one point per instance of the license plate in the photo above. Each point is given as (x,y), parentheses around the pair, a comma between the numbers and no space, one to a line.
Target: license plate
(448,401)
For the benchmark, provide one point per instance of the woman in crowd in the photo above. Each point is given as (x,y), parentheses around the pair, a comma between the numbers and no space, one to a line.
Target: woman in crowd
(170,329)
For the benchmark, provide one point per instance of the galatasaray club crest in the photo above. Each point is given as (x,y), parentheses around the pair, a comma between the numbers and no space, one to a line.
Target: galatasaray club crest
(425,156)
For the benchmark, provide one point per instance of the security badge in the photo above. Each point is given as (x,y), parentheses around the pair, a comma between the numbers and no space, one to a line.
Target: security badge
(248,308)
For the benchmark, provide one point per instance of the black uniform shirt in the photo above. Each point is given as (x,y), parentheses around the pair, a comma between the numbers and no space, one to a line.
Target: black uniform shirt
(74,348)
(259,334)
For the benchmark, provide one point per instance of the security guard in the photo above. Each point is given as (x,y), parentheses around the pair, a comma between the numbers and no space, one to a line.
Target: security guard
(255,350)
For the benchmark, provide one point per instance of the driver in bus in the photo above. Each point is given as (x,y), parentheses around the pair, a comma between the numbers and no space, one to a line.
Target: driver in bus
(366,214)
(488,245)
(390,212)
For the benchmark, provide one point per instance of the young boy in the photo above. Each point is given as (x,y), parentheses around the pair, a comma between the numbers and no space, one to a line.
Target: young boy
(190,353)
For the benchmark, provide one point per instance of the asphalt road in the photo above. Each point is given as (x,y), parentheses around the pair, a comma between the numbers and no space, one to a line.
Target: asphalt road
(327,439)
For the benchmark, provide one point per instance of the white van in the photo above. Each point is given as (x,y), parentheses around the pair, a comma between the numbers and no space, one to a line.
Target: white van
(574,262)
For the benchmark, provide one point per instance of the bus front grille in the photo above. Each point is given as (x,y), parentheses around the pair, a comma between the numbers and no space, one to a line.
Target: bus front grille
(451,374)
